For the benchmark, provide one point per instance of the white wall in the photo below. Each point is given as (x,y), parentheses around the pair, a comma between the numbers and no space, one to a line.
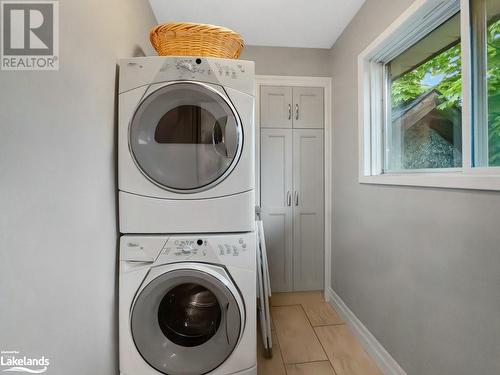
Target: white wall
(420,267)
(58,225)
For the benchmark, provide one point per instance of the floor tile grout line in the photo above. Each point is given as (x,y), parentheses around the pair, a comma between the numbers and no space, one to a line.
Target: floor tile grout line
(329,360)
(305,312)
(322,346)
(318,328)
(329,325)
(306,362)
(301,304)
(279,347)
(307,316)
(317,337)
(295,304)
(276,350)
(310,326)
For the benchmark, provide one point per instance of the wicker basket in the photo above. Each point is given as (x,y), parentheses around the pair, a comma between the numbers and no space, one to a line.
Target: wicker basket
(195,39)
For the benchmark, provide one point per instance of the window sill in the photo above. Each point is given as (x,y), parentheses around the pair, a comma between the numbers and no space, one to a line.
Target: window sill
(449,180)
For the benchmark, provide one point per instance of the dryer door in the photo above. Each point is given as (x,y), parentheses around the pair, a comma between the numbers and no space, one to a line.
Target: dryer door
(187,321)
(185,137)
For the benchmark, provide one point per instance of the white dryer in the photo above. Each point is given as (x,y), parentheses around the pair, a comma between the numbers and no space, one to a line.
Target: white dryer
(187,305)
(186,145)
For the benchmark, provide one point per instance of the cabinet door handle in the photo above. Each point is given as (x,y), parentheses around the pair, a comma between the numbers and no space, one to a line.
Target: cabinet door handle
(288,198)
(289,111)
(296,198)
(296,111)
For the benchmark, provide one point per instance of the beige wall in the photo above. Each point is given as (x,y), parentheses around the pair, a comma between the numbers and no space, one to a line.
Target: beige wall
(289,61)
(418,266)
(58,225)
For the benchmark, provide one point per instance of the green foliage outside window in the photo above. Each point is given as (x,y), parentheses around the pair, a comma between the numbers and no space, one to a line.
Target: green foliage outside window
(447,64)
(494,92)
(447,67)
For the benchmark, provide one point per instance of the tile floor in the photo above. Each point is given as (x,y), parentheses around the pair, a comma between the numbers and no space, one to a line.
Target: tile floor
(310,338)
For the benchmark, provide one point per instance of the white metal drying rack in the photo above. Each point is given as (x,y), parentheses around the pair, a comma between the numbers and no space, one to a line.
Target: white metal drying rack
(263,290)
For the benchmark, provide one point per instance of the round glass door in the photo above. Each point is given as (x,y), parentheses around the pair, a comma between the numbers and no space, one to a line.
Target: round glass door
(189,315)
(185,137)
(184,315)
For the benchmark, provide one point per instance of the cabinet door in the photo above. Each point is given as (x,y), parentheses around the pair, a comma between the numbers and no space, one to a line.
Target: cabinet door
(276,204)
(308,105)
(275,107)
(308,208)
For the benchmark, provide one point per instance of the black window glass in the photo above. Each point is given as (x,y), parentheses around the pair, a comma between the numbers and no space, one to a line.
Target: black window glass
(189,124)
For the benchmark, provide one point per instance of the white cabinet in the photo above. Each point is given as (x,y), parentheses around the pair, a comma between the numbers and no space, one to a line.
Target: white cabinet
(276,106)
(308,107)
(291,107)
(308,208)
(276,204)
(292,206)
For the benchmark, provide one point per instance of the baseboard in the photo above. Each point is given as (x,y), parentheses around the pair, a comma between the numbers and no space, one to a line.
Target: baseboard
(385,362)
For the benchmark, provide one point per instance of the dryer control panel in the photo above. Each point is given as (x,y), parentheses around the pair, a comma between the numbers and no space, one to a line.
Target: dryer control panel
(141,71)
(196,68)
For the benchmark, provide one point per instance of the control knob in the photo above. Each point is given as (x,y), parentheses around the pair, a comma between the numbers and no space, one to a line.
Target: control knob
(186,66)
(186,249)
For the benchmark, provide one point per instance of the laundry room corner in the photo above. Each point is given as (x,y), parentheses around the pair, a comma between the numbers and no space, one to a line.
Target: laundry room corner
(58,191)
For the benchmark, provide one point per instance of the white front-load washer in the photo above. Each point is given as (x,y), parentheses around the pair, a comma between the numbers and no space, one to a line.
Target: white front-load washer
(187,304)
(186,144)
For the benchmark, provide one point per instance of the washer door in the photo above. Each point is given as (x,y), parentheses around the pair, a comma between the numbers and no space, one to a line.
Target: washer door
(185,137)
(186,321)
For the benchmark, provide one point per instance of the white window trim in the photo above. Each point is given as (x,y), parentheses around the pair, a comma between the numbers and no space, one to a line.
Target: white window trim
(390,43)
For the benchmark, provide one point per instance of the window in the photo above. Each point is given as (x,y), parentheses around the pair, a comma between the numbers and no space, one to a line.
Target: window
(424,129)
(429,97)
(485,15)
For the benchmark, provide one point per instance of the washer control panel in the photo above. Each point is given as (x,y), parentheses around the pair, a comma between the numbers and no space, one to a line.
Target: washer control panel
(224,249)
(230,249)
(203,246)
(185,247)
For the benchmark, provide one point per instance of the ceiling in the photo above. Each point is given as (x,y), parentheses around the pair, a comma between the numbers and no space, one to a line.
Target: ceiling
(283,23)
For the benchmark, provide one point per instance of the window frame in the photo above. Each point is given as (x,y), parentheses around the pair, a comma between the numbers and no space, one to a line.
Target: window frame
(422,17)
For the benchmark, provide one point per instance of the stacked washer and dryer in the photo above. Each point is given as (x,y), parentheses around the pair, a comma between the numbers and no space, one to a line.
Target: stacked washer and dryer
(187,298)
